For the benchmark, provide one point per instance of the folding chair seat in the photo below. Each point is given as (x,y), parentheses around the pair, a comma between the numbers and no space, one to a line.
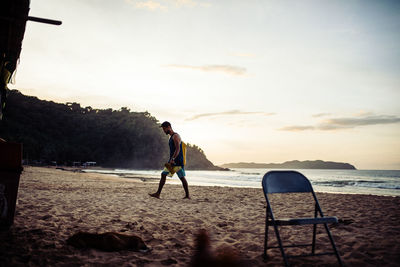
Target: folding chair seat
(294,182)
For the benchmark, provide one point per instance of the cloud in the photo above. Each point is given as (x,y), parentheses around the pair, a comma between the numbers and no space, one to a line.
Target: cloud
(149,5)
(228,113)
(345,123)
(227,69)
(297,128)
(180,3)
(339,123)
(320,115)
(363,113)
(165,4)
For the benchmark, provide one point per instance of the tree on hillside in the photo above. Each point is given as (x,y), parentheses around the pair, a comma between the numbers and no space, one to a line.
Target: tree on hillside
(68,132)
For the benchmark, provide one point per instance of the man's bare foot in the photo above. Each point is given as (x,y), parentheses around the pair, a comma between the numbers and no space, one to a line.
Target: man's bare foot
(156,195)
(186,197)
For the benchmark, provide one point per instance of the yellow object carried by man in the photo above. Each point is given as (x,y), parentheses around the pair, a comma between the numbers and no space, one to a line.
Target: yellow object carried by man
(171,169)
(184,152)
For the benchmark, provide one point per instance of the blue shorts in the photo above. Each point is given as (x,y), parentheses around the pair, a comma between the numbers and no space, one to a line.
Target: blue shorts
(181,173)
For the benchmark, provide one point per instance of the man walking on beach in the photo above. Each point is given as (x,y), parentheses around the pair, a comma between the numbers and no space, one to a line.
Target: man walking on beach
(175,163)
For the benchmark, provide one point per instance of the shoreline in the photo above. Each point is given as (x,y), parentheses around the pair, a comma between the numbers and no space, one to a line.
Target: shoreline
(54,204)
(125,173)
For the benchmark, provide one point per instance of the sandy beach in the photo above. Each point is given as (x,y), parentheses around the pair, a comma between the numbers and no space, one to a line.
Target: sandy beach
(54,204)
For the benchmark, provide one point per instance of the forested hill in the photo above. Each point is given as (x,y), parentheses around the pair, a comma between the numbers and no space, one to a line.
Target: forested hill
(68,132)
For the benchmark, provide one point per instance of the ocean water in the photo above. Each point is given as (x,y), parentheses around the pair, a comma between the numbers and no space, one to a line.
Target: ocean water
(374,182)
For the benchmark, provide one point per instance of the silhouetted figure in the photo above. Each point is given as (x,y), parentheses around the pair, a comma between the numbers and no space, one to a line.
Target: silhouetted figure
(175,163)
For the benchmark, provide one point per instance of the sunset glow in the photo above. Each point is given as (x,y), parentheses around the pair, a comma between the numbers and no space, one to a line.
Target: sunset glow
(247,81)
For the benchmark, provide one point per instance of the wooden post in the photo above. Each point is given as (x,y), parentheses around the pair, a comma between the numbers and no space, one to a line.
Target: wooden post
(10,171)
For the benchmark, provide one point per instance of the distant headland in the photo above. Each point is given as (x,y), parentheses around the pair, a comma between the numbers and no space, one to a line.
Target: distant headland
(294,164)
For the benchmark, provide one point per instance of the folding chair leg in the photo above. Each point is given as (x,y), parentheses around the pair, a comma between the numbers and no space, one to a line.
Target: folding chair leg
(315,229)
(266,238)
(280,245)
(333,245)
(313,240)
(265,256)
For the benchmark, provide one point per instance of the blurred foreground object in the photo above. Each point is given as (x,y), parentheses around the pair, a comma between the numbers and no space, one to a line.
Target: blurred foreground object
(10,170)
(110,241)
(13,18)
(205,256)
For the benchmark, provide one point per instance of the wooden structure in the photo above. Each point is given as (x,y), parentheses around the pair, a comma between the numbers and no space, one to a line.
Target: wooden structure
(13,18)
(10,171)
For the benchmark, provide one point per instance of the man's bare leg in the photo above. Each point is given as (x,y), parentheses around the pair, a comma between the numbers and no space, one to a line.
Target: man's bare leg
(185,186)
(160,186)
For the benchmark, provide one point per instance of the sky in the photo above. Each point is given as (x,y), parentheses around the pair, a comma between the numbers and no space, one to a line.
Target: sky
(247,81)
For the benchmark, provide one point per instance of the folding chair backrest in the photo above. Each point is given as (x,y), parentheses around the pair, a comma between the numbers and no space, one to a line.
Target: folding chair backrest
(285,182)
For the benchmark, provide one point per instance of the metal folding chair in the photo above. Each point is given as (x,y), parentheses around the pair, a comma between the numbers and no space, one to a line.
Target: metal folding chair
(294,182)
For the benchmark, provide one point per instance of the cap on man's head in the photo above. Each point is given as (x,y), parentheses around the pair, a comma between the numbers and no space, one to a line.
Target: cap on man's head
(165,124)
